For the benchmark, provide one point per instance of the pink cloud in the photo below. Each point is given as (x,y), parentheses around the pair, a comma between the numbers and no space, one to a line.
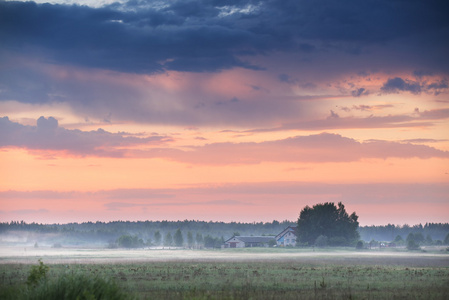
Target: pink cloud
(334,121)
(324,147)
(48,135)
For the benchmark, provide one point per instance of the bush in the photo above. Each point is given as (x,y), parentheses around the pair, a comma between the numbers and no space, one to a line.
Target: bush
(338,241)
(412,245)
(321,241)
(128,241)
(399,240)
(76,286)
(37,274)
(67,286)
(360,245)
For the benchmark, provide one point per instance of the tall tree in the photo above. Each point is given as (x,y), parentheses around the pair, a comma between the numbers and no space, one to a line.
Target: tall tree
(157,238)
(168,240)
(327,220)
(199,239)
(189,239)
(179,240)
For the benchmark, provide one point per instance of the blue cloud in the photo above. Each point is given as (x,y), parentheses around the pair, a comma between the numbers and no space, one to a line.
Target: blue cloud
(394,85)
(199,36)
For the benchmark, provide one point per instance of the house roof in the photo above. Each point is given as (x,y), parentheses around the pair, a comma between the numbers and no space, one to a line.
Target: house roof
(253,239)
(291,229)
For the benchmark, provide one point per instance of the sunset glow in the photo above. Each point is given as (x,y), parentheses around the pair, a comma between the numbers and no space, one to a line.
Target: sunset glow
(225,113)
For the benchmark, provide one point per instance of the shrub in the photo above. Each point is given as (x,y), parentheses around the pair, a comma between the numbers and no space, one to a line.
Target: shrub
(360,245)
(76,286)
(399,240)
(446,240)
(128,241)
(338,241)
(272,243)
(37,273)
(321,241)
(373,243)
(412,245)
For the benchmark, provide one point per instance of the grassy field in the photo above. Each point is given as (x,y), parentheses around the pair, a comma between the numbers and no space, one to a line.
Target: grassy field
(247,273)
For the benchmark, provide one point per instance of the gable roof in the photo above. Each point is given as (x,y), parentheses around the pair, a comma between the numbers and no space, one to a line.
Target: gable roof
(253,239)
(291,229)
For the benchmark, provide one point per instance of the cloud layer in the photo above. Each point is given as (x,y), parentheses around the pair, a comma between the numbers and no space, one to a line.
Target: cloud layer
(144,36)
(324,147)
(47,135)
(239,63)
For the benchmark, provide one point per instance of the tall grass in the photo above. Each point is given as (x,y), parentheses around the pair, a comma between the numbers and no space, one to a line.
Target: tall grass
(75,286)
(67,286)
(320,278)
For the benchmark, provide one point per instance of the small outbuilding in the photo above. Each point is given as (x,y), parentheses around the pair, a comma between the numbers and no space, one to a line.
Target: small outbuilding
(249,241)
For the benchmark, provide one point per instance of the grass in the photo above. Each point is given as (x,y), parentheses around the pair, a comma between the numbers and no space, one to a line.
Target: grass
(311,277)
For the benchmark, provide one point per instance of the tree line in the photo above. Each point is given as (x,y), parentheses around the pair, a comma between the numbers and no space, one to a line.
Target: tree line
(140,233)
(178,239)
(198,234)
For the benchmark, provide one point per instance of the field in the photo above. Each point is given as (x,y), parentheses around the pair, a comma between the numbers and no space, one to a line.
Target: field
(245,273)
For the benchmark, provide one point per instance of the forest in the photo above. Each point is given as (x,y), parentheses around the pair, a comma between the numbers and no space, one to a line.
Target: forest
(190,233)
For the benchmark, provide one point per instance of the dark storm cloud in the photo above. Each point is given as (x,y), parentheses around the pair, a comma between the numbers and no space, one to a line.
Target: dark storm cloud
(129,41)
(398,84)
(48,135)
(198,36)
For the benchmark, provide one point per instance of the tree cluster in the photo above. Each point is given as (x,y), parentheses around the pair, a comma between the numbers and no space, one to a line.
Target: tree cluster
(437,231)
(327,224)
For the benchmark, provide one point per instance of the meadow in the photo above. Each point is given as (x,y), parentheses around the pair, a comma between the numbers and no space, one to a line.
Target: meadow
(244,273)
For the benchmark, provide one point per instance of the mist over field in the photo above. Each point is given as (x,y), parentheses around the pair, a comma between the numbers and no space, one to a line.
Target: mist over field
(102,234)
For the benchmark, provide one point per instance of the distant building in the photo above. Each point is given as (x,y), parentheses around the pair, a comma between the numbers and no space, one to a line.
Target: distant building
(249,241)
(287,237)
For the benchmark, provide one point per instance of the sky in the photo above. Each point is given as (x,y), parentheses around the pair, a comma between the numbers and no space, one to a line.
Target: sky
(216,110)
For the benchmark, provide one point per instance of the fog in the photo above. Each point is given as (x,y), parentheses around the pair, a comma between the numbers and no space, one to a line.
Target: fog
(434,256)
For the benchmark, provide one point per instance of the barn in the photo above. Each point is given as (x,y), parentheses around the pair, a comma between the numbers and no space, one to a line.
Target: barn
(249,241)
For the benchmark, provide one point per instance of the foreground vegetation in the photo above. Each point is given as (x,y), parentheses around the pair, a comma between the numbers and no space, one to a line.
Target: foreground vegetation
(312,277)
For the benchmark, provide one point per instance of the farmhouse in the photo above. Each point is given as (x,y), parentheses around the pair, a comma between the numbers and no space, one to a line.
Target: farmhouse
(287,237)
(249,241)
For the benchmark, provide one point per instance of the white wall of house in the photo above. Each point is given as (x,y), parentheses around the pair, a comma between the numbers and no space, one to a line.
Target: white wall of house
(286,238)
(289,239)
(234,243)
